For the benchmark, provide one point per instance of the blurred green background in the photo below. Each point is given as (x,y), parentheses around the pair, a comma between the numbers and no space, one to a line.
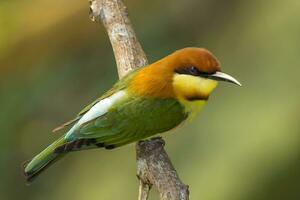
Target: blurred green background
(245,144)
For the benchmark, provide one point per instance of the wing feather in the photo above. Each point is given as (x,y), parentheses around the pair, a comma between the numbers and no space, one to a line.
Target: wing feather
(133,119)
(120,85)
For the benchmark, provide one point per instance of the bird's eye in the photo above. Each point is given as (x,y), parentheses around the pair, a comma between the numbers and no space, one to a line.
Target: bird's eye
(194,71)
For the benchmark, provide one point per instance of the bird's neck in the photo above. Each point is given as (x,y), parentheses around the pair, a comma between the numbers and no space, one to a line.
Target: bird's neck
(154,80)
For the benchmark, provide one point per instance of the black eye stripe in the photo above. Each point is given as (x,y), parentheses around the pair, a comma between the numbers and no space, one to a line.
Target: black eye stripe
(188,70)
(192,71)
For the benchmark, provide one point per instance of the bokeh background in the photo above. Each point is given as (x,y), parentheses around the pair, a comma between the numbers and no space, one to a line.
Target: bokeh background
(245,144)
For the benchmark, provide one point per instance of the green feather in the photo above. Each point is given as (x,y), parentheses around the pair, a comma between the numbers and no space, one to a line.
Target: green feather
(132,119)
(43,160)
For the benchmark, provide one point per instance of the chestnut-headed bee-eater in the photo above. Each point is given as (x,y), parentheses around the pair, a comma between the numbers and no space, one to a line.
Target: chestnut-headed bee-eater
(149,100)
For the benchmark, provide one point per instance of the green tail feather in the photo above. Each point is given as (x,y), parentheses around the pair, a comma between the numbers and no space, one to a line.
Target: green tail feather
(43,160)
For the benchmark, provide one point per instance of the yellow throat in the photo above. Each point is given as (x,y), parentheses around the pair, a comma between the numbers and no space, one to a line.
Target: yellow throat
(192,91)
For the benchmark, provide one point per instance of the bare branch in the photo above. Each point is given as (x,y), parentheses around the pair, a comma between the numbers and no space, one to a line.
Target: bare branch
(155,168)
(153,164)
(127,49)
(144,189)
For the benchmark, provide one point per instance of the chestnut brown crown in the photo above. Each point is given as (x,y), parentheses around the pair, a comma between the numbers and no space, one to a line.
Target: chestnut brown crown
(201,59)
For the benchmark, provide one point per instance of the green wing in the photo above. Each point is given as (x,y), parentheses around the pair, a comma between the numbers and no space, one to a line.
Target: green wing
(132,119)
(120,85)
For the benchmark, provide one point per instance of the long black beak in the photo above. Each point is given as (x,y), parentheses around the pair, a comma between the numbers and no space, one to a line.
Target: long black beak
(220,76)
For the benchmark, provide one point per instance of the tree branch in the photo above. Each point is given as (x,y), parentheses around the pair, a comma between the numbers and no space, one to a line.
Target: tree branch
(155,168)
(153,164)
(127,49)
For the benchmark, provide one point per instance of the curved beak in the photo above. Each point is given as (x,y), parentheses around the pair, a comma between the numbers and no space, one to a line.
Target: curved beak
(220,76)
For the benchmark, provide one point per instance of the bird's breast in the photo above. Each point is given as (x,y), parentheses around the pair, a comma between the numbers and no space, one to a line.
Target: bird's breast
(192,107)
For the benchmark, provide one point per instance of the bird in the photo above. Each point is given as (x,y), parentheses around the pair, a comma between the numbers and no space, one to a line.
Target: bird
(147,101)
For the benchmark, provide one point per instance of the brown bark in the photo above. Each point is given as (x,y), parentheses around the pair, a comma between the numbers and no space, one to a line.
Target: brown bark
(154,167)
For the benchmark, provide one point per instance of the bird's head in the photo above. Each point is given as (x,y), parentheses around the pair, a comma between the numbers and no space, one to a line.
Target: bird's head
(187,74)
(196,72)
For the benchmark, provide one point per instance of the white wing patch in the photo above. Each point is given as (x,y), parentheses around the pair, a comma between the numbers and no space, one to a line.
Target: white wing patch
(97,110)
(101,107)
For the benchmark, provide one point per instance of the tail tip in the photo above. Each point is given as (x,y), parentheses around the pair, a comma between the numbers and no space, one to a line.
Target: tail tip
(28,175)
